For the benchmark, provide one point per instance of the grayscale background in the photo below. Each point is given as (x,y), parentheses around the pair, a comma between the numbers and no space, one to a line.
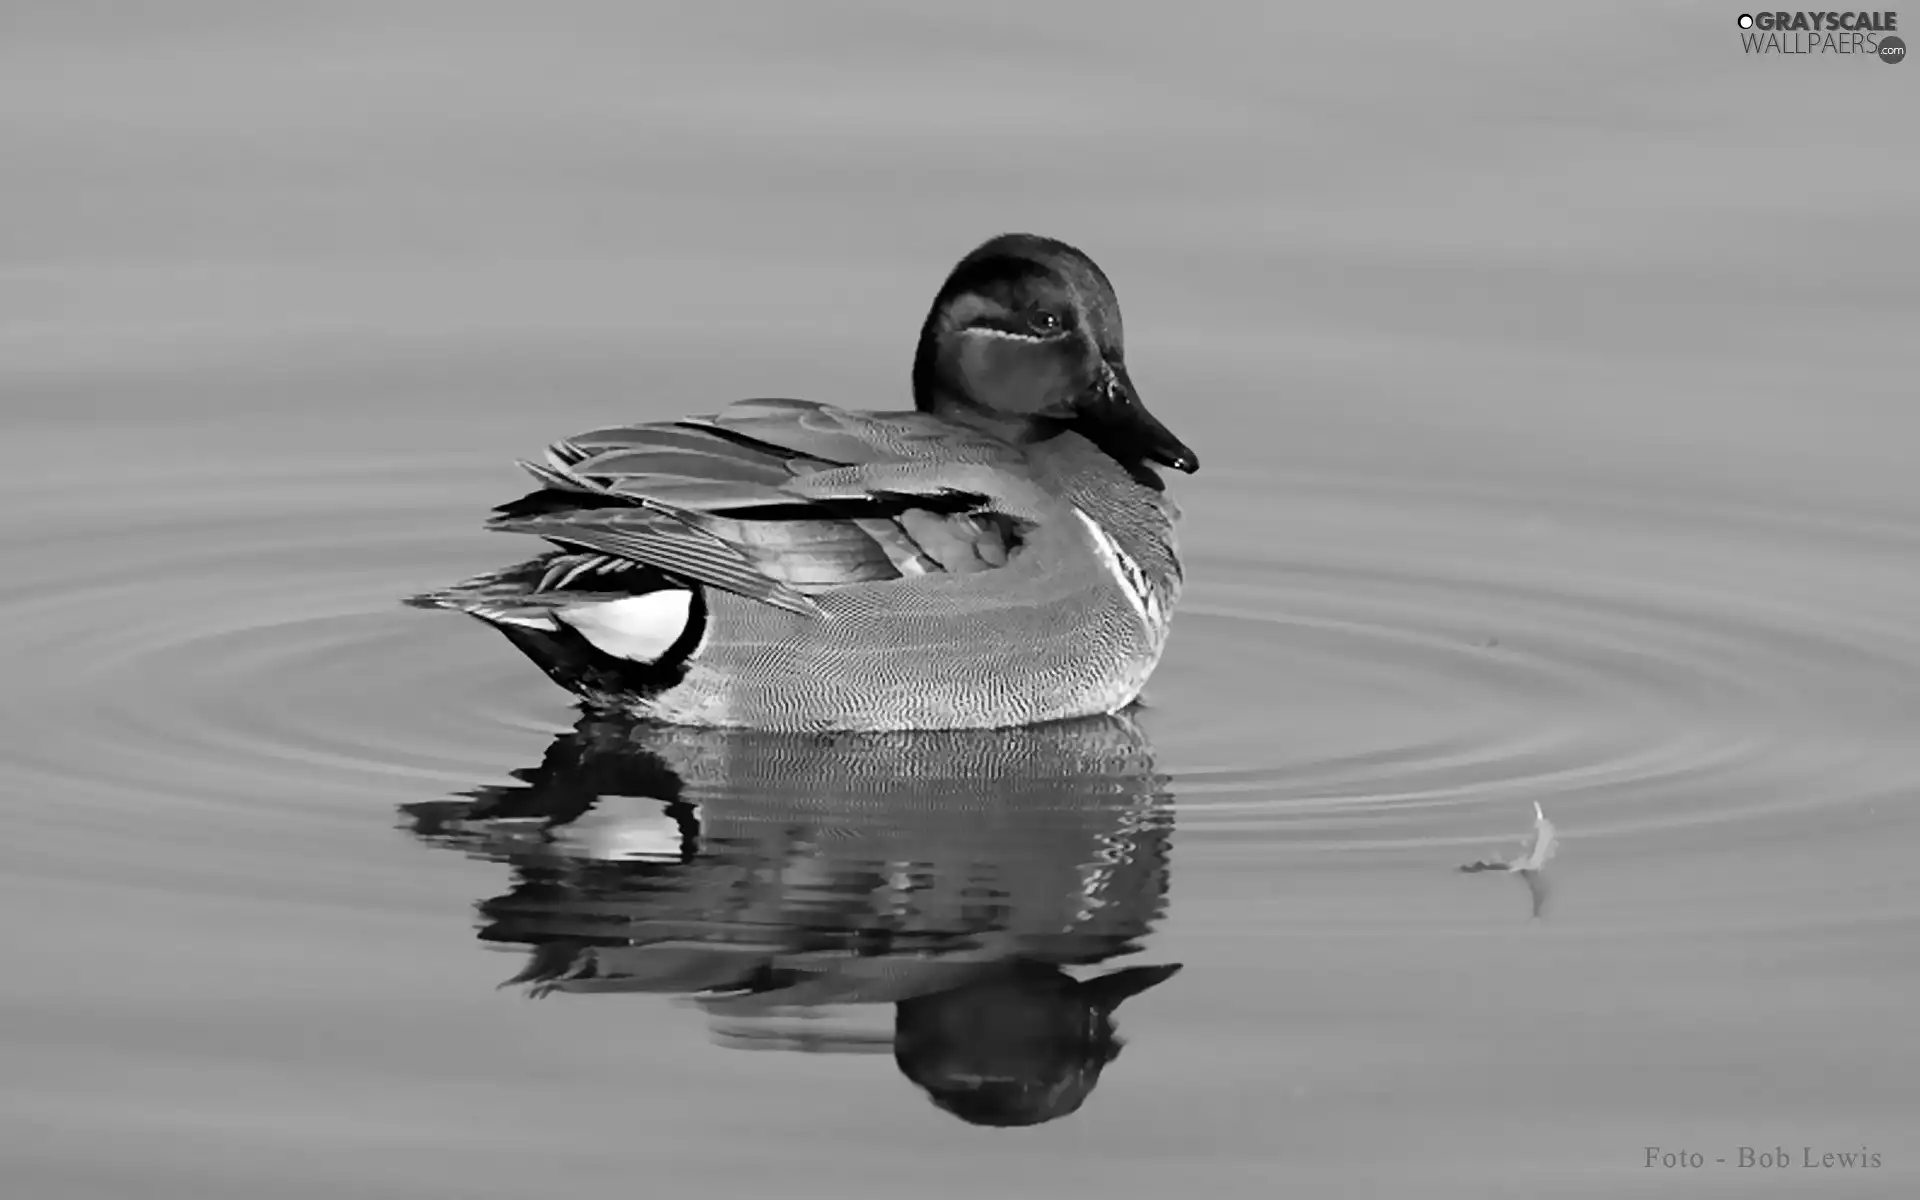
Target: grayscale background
(1552,369)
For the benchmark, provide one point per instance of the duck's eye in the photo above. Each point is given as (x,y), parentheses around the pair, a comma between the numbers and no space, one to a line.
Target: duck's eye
(1043,321)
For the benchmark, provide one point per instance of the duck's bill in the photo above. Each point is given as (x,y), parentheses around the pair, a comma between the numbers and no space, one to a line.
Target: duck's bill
(1128,431)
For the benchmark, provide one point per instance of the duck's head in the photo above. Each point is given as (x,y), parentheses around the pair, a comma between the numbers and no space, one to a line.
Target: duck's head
(1025,334)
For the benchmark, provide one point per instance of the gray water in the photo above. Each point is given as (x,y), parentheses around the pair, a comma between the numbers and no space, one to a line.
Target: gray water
(1553,375)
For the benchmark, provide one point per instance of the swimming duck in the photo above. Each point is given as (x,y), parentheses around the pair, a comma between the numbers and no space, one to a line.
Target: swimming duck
(1003,555)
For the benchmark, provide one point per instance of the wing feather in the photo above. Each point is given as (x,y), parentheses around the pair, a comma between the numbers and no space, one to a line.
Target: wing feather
(776,500)
(659,540)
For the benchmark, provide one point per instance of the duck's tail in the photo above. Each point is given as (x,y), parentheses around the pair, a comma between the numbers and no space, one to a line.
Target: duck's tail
(509,596)
(613,632)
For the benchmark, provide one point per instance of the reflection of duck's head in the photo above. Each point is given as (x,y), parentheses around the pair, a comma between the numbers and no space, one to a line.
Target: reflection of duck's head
(1018,1050)
(783,878)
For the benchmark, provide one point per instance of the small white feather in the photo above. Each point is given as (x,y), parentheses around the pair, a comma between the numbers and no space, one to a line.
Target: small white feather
(637,628)
(507,616)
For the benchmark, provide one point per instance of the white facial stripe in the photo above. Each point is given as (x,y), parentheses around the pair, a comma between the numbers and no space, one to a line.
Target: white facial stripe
(1031,339)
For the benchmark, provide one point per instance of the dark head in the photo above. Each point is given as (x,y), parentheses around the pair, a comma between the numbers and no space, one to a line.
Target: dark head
(1026,333)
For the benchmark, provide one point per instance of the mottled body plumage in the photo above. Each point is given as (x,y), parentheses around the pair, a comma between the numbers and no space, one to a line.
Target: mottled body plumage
(1001,556)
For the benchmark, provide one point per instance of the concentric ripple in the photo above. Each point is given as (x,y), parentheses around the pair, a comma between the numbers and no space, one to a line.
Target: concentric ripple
(243,643)
(1407,664)
(1360,664)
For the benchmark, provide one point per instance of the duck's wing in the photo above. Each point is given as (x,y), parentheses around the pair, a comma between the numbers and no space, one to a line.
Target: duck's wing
(778,500)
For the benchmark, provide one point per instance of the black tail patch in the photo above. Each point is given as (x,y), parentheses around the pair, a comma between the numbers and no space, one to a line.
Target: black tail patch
(602,679)
(880,504)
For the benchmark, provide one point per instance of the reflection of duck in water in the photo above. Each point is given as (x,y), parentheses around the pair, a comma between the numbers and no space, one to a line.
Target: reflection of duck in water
(786,883)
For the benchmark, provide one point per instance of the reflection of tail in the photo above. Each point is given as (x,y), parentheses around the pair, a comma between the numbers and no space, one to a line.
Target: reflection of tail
(590,792)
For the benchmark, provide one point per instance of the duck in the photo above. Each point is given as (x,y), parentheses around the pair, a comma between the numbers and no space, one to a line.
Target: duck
(1004,554)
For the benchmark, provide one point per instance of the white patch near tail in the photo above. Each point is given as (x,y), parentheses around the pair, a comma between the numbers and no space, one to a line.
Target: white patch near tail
(622,829)
(638,628)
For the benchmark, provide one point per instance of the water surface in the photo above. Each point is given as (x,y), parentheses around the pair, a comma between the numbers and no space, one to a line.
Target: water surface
(1552,376)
